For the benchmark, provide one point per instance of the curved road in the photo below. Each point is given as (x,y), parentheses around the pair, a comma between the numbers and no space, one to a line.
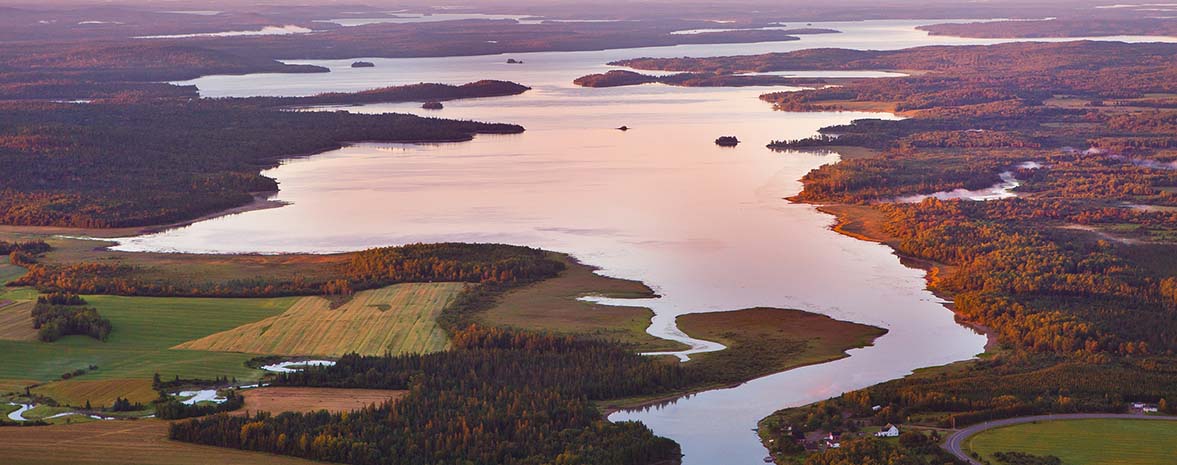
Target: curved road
(955,442)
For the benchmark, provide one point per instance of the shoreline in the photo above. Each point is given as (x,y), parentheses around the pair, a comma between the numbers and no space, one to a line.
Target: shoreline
(261,200)
(643,403)
(826,339)
(850,224)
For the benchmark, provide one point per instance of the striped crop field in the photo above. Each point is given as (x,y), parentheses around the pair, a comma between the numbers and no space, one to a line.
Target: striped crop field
(397,319)
(16,321)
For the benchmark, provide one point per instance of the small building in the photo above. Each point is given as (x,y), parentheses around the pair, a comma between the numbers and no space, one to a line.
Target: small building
(1150,409)
(833,440)
(889,431)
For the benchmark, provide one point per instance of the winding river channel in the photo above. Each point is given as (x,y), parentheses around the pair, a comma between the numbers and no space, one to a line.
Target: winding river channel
(707,227)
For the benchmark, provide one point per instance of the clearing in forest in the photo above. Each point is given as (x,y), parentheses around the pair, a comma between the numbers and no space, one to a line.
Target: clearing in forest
(397,319)
(278,399)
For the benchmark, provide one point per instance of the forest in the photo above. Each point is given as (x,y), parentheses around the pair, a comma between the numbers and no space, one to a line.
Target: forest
(618,78)
(92,135)
(91,70)
(491,264)
(1058,27)
(463,38)
(103,165)
(407,93)
(498,397)
(1073,276)
(56,315)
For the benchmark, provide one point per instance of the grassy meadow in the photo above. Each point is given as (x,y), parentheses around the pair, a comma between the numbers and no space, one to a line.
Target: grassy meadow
(8,271)
(552,305)
(768,340)
(397,319)
(1085,442)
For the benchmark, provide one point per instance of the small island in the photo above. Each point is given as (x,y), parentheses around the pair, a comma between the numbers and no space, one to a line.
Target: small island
(432,105)
(623,128)
(512,61)
(727,141)
(363,64)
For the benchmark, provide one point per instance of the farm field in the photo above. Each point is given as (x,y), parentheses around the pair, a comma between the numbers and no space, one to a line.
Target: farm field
(397,319)
(140,442)
(552,305)
(16,321)
(9,272)
(1085,442)
(144,330)
(100,392)
(309,399)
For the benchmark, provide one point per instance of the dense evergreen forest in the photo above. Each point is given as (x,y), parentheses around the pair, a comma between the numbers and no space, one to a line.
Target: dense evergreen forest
(490,264)
(498,397)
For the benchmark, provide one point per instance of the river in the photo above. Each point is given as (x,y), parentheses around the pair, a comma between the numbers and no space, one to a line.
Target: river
(707,227)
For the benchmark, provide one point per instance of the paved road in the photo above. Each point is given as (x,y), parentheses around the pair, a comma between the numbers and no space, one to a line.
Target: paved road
(955,443)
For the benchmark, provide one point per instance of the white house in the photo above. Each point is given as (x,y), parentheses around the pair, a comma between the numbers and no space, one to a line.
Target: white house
(833,440)
(889,431)
(1150,409)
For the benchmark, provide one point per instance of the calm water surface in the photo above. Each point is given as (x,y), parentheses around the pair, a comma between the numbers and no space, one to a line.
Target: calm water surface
(707,227)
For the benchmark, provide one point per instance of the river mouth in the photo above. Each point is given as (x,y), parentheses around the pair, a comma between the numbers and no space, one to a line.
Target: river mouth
(707,227)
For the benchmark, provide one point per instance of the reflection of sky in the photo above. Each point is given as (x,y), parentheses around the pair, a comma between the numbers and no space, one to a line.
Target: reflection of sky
(705,226)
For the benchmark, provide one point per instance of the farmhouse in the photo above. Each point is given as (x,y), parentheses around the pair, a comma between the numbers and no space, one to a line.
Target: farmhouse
(1145,408)
(889,431)
(833,440)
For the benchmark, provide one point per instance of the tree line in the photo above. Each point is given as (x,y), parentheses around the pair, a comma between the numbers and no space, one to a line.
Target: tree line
(499,396)
(58,315)
(489,264)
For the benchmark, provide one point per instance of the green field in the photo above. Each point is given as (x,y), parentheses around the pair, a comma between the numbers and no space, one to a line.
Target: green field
(554,305)
(396,319)
(144,330)
(9,272)
(1085,442)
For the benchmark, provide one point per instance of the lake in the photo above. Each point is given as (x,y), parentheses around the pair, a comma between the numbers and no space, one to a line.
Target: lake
(707,227)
